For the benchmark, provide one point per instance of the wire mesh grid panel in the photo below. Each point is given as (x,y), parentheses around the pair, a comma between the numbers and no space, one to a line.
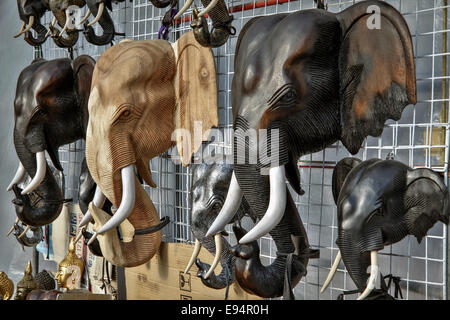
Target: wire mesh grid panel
(420,139)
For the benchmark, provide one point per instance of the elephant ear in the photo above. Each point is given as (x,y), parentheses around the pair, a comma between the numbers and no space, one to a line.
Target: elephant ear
(83,68)
(340,172)
(422,201)
(376,68)
(196,95)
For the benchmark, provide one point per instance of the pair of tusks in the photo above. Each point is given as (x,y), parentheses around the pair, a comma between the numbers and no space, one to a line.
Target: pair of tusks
(188,3)
(125,208)
(370,283)
(12,229)
(195,253)
(28,27)
(101,8)
(273,215)
(38,177)
(98,201)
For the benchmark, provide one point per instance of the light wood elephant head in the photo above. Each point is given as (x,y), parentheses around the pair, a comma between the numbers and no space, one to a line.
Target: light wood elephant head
(142,92)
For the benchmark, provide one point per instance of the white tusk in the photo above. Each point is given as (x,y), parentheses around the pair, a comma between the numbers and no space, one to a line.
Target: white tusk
(182,10)
(127,203)
(88,13)
(20,173)
(94,236)
(24,232)
(218,241)
(78,237)
(211,5)
(12,228)
(276,208)
(332,272)
(66,26)
(99,201)
(40,173)
(21,30)
(373,275)
(52,24)
(99,14)
(30,24)
(231,205)
(194,256)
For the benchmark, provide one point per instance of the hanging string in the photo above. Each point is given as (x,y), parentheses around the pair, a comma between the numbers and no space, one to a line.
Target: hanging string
(38,53)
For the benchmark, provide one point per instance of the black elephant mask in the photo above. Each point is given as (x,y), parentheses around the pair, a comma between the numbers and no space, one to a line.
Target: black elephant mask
(310,78)
(380,202)
(242,262)
(50,110)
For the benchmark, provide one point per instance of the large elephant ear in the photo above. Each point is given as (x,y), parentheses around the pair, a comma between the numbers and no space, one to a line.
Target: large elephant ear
(377,71)
(83,68)
(196,94)
(340,172)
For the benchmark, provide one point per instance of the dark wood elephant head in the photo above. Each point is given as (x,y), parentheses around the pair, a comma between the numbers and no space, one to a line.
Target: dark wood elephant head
(380,202)
(50,110)
(303,81)
(31,12)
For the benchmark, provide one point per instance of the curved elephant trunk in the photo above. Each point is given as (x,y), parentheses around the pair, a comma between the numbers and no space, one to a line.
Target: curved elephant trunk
(142,247)
(269,281)
(41,32)
(222,28)
(227,261)
(105,22)
(72,35)
(46,207)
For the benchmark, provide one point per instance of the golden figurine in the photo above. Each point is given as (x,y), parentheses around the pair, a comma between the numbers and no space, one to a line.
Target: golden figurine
(26,285)
(70,269)
(6,286)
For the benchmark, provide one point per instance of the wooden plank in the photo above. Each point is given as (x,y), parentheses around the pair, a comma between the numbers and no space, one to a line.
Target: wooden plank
(162,278)
(196,90)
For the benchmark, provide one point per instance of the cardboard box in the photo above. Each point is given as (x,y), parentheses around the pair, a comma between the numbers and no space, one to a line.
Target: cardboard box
(162,278)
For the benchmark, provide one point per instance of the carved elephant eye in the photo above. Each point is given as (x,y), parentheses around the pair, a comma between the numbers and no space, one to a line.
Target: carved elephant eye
(216,206)
(288,99)
(125,115)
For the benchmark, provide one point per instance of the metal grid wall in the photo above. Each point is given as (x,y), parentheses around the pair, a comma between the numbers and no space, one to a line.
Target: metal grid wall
(422,267)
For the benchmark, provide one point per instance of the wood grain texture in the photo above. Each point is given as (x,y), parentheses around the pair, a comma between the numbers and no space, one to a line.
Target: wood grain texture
(159,279)
(196,90)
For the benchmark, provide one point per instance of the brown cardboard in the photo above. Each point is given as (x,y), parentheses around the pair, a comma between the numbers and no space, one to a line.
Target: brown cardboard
(162,278)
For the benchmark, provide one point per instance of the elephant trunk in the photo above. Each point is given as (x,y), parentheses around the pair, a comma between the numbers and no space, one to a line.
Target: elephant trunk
(142,247)
(354,259)
(72,35)
(269,281)
(227,260)
(222,27)
(41,32)
(44,208)
(105,22)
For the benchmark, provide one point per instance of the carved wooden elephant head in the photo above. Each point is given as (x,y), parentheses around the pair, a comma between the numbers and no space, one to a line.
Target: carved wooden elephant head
(142,91)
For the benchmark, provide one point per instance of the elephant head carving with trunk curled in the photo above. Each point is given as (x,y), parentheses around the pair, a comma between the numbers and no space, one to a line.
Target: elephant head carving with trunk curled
(380,202)
(31,12)
(218,12)
(62,16)
(210,183)
(142,91)
(50,110)
(310,78)
(99,9)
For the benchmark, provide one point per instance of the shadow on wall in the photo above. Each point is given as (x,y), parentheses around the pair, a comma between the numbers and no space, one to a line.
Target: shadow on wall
(15,54)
